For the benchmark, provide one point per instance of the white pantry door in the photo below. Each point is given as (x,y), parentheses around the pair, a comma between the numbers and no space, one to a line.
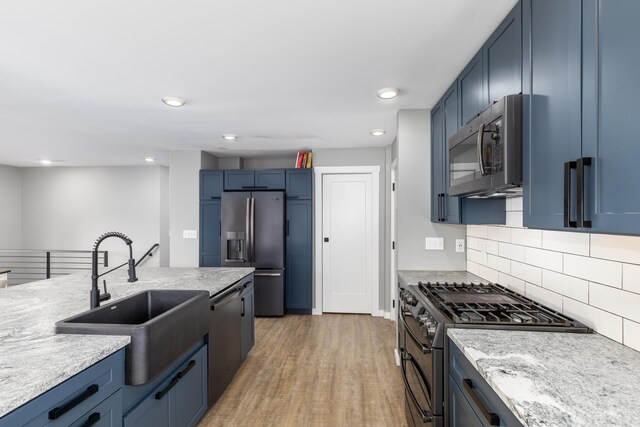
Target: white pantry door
(346,243)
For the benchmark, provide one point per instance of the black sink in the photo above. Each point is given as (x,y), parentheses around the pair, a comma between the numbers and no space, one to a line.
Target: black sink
(162,326)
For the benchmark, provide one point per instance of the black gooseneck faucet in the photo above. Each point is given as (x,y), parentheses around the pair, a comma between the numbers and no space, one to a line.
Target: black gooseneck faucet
(95,296)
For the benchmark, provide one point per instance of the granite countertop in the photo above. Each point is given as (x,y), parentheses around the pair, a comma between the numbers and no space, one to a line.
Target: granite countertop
(33,358)
(412,277)
(557,379)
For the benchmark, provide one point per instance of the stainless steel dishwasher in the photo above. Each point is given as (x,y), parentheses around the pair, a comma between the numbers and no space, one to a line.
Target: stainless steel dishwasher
(225,342)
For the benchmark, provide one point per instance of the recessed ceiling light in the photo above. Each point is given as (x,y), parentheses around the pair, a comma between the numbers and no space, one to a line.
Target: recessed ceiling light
(172,101)
(378,132)
(149,159)
(46,162)
(388,93)
(229,136)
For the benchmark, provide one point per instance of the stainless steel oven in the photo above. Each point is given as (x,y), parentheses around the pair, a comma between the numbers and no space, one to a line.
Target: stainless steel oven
(485,156)
(421,363)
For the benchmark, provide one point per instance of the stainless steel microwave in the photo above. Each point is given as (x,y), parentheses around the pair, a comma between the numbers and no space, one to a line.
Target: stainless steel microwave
(485,156)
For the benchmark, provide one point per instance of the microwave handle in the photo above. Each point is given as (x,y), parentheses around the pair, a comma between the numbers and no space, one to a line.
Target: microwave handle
(480,149)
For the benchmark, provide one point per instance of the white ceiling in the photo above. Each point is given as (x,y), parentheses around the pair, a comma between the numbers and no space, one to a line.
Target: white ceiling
(81,81)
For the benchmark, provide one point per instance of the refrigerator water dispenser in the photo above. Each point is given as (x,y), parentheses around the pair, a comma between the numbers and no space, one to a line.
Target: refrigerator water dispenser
(236,245)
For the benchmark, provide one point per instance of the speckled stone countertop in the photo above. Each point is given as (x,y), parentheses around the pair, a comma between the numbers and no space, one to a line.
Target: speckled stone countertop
(412,277)
(33,358)
(557,379)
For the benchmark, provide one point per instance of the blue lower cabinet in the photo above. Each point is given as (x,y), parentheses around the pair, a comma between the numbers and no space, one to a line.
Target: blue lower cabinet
(299,259)
(472,401)
(179,399)
(67,402)
(106,414)
(210,249)
(248,313)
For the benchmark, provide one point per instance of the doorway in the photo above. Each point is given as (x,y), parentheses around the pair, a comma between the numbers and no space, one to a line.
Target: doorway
(347,240)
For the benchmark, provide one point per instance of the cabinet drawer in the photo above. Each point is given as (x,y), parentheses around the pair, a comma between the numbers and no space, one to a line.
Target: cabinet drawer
(64,403)
(479,395)
(106,414)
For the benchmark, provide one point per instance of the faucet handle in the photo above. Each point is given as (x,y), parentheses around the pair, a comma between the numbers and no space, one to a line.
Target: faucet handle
(106,295)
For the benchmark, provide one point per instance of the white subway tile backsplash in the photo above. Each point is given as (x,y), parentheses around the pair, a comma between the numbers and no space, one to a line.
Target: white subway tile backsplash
(472,267)
(514,204)
(631,278)
(477,231)
(594,270)
(514,252)
(601,321)
(513,219)
(618,248)
(512,283)
(501,234)
(566,285)
(623,303)
(591,277)
(545,259)
(544,296)
(488,274)
(573,243)
(498,263)
(526,272)
(631,334)
(526,237)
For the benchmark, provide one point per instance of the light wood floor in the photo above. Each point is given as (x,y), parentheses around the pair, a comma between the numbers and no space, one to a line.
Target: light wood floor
(330,370)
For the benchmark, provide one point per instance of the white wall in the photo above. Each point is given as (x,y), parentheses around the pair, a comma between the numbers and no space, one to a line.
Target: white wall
(10,207)
(375,156)
(414,200)
(69,207)
(594,278)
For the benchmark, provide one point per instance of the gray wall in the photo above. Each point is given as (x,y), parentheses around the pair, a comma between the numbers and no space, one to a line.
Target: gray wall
(280,162)
(375,156)
(69,207)
(414,200)
(10,207)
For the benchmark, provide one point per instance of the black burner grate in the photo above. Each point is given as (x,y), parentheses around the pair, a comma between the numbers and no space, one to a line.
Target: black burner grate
(489,304)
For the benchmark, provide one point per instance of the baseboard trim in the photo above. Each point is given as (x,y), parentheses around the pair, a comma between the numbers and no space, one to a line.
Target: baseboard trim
(397,356)
(316,312)
(378,313)
(387,315)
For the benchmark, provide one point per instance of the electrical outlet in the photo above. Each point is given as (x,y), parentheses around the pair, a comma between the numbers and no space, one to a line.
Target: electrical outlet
(434,243)
(189,234)
(459,245)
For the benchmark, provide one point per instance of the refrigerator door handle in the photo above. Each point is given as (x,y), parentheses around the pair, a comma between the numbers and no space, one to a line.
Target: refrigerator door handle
(247,231)
(253,224)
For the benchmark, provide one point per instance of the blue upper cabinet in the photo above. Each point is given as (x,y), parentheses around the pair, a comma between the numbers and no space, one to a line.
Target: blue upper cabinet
(270,179)
(451,205)
(550,108)
(610,108)
(211,184)
(473,94)
(299,183)
(502,57)
(239,179)
(437,162)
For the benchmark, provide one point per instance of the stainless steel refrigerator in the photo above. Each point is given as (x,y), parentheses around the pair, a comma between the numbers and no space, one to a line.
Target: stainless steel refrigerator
(253,236)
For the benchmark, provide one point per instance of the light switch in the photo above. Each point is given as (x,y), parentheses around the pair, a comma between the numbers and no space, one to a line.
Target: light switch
(189,234)
(434,243)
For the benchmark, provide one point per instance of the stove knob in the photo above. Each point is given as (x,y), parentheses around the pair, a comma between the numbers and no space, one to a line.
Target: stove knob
(431,328)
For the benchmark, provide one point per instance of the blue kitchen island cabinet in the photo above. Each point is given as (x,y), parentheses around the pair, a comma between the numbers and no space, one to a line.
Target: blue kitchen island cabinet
(247,329)
(178,398)
(93,395)
(580,153)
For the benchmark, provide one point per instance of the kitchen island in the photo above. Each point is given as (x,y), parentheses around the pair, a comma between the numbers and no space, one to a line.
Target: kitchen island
(555,379)
(36,359)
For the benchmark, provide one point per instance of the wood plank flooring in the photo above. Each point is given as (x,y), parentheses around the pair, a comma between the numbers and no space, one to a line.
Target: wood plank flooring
(330,370)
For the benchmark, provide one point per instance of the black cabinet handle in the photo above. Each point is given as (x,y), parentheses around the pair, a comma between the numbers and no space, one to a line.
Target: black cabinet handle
(59,411)
(257,187)
(175,380)
(568,166)
(491,417)
(580,164)
(93,418)
(242,312)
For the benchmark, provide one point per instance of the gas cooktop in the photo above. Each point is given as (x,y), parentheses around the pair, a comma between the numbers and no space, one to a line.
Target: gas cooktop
(491,304)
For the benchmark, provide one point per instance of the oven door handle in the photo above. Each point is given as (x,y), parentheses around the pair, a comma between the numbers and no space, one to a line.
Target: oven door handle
(426,415)
(480,148)
(424,348)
